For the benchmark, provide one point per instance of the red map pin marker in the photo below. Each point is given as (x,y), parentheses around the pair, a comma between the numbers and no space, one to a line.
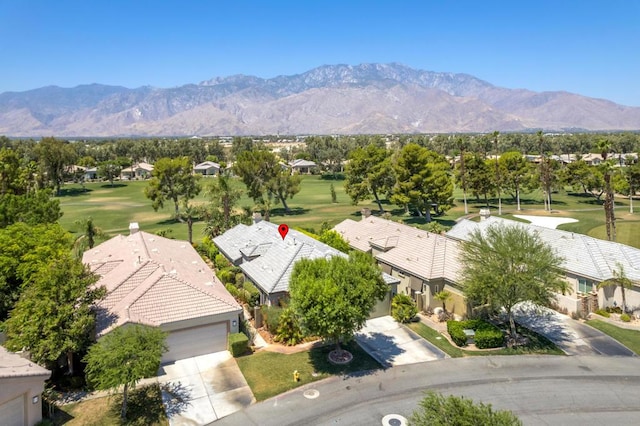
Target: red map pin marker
(283,230)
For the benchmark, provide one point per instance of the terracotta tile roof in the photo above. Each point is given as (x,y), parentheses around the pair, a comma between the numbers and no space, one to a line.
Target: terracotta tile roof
(13,365)
(420,253)
(154,280)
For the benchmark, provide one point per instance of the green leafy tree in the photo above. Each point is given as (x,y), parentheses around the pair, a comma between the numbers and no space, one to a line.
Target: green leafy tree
(517,171)
(369,173)
(55,157)
(172,179)
(507,265)
(35,207)
(621,280)
(223,197)
(422,180)
(266,179)
(438,410)
(53,315)
(334,296)
(9,171)
(479,176)
(123,357)
(109,170)
(26,250)
(335,240)
(589,179)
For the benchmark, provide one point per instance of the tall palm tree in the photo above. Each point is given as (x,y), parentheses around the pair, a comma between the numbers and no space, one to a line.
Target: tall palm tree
(621,280)
(604,147)
(498,177)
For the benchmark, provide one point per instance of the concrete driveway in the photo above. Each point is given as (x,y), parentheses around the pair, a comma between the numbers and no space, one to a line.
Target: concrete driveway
(391,344)
(573,337)
(203,389)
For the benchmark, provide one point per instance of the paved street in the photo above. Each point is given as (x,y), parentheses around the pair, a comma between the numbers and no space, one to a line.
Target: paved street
(541,390)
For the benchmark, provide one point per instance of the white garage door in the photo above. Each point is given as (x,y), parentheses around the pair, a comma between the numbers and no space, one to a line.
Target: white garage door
(12,412)
(196,341)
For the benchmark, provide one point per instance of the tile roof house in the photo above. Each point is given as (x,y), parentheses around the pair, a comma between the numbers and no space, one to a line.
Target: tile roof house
(207,168)
(160,282)
(302,166)
(424,262)
(141,170)
(587,261)
(21,387)
(267,260)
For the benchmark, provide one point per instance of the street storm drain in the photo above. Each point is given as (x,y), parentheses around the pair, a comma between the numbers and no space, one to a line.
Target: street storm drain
(311,394)
(394,420)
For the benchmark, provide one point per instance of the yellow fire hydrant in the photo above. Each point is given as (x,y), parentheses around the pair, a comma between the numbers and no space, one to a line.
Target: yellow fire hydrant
(296,376)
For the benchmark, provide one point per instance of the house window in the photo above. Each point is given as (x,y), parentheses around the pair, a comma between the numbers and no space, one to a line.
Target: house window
(585,286)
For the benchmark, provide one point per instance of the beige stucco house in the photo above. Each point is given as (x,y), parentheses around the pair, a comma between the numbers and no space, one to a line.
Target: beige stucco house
(137,171)
(21,387)
(424,262)
(165,283)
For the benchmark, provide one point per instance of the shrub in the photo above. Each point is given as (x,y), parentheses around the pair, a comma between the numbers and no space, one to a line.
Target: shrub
(616,310)
(602,313)
(488,336)
(239,278)
(227,276)
(403,308)
(221,262)
(455,330)
(238,344)
(232,289)
(271,316)
(253,294)
(289,330)
(625,317)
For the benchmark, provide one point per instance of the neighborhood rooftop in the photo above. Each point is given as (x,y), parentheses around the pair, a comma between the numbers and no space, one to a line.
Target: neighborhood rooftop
(424,254)
(583,255)
(13,365)
(154,280)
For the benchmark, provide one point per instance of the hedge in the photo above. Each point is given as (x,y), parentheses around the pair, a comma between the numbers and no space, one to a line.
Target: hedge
(487,335)
(602,313)
(238,344)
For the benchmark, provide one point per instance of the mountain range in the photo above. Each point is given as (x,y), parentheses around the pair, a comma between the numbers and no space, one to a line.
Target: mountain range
(331,99)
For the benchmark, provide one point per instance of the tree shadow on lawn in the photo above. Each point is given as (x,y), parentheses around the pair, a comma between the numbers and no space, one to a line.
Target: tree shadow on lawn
(144,406)
(74,192)
(361,365)
(115,185)
(293,211)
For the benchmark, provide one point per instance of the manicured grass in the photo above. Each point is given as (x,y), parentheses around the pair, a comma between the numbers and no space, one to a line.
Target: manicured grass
(629,338)
(113,208)
(269,373)
(144,408)
(539,345)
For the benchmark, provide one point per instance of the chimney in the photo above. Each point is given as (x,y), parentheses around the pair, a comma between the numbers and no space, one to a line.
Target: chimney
(133,228)
(257,217)
(365,212)
(485,214)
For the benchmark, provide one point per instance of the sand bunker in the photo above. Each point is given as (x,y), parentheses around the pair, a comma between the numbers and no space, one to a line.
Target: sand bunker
(546,222)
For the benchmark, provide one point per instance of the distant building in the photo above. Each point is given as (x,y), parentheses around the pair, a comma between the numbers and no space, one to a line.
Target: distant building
(207,168)
(137,171)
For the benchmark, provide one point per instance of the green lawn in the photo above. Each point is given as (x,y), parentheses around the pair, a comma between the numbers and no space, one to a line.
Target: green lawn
(629,338)
(144,407)
(269,373)
(539,345)
(113,208)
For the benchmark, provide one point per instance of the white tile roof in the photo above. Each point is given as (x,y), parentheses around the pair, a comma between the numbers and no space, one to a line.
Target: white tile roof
(13,365)
(272,267)
(206,165)
(154,280)
(583,255)
(420,253)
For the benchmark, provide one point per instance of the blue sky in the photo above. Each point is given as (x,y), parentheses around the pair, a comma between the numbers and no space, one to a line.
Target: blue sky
(587,47)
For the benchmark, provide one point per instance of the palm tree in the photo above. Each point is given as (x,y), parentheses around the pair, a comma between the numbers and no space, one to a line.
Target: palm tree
(498,177)
(89,232)
(443,296)
(621,280)
(604,146)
